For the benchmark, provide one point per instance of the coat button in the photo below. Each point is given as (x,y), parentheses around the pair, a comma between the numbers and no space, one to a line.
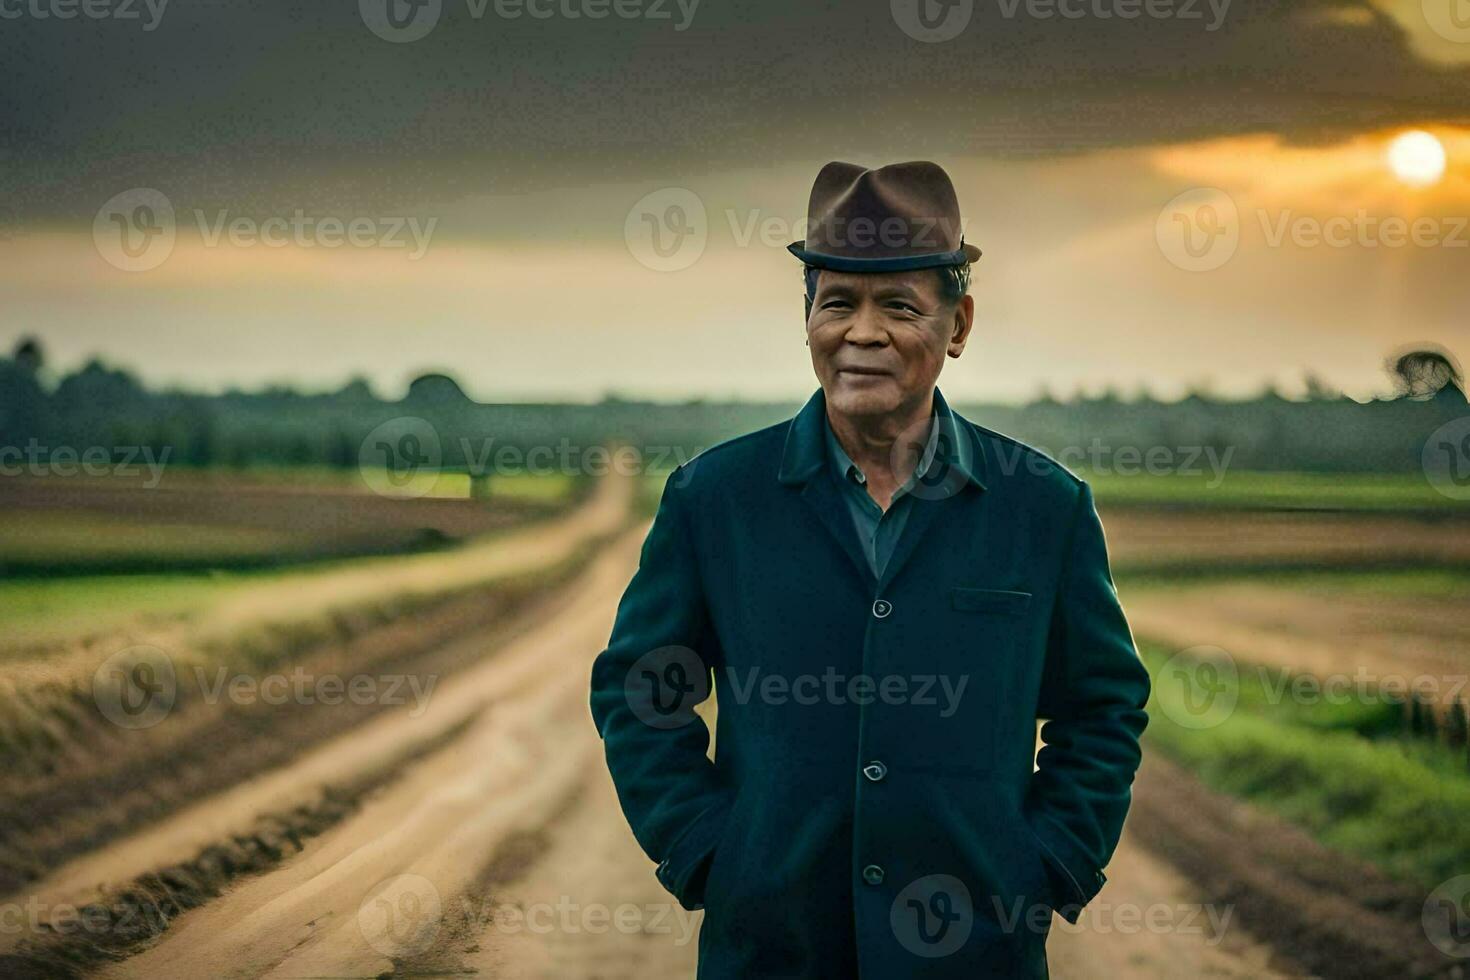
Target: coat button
(875,771)
(873,874)
(881,608)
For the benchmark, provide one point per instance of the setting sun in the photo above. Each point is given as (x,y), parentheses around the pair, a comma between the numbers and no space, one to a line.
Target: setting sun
(1417,158)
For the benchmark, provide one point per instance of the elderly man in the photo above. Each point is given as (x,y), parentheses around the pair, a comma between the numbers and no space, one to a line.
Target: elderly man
(888,598)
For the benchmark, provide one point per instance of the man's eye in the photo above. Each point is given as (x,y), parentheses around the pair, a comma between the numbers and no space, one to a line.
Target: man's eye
(835,304)
(904,307)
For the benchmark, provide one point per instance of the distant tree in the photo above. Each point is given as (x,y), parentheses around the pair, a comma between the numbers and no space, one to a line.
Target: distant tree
(28,355)
(436,389)
(342,449)
(1045,397)
(1421,373)
(1319,390)
(22,403)
(358,389)
(98,389)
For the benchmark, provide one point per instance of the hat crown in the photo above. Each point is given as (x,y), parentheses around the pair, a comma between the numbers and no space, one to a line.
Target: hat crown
(906,213)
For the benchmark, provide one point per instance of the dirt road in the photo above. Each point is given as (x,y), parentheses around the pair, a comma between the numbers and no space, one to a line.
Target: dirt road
(501,852)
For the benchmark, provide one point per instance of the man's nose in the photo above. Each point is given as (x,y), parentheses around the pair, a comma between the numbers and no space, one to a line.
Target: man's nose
(866,329)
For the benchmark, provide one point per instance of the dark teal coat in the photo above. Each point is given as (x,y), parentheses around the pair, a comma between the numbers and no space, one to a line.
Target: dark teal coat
(872,807)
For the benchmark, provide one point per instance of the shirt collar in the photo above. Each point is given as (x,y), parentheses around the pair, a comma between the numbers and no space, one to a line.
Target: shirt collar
(806,448)
(849,472)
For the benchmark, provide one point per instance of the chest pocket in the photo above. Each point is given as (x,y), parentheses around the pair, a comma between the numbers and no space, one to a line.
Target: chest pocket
(1000,602)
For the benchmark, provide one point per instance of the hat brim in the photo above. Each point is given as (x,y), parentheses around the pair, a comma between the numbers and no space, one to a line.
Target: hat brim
(963,255)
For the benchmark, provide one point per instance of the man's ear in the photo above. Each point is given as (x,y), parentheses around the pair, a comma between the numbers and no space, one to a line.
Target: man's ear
(964,320)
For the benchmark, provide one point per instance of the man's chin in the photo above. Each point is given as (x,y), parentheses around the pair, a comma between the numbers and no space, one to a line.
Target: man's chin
(863,395)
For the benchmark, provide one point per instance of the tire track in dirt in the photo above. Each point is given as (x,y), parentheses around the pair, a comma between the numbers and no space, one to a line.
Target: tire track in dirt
(102,781)
(498,778)
(1336,915)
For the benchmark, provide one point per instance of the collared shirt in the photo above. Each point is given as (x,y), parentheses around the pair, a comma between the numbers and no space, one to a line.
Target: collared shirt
(879,530)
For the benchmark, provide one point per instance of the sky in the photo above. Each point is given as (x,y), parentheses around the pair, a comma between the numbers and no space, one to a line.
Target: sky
(1169,194)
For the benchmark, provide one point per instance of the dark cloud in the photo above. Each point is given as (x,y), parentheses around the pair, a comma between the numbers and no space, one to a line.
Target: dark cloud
(278,104)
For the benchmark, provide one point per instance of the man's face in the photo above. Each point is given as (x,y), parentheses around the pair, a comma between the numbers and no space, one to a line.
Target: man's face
(878,340)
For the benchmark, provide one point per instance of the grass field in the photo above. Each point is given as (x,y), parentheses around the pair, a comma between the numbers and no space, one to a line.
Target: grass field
(203,521)
(1259,490)
(84,557)
(1339,771)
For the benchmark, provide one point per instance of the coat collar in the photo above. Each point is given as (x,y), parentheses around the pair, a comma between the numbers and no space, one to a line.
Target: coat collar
(805,450)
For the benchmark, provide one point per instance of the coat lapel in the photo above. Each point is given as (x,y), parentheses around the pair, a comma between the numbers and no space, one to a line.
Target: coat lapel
(822,495)
(802,465)
(956,470)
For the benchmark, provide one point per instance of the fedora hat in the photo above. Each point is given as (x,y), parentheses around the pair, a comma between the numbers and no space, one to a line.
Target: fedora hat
(899,217)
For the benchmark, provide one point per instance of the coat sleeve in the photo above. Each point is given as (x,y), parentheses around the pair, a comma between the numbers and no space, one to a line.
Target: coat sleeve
(1094,689)
(656,668)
